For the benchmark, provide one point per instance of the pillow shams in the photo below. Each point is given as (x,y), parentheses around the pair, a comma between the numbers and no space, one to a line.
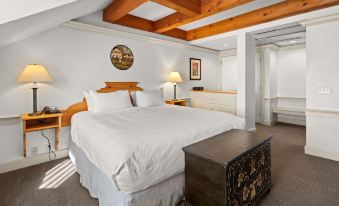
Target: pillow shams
(149,98)
(112,101)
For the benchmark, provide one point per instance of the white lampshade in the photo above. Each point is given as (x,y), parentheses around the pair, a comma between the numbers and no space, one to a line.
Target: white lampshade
(34,73)
(175,77)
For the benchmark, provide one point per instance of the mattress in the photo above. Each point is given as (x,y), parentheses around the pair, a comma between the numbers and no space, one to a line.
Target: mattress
(141,147)
(167,193)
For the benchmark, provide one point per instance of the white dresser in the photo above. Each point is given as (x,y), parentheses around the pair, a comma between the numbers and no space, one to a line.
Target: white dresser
(223,101)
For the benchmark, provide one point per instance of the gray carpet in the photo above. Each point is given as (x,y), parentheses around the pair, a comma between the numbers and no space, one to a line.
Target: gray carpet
(298,179)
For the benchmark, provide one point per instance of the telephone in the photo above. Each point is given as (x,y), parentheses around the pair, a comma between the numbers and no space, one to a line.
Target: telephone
(50,110)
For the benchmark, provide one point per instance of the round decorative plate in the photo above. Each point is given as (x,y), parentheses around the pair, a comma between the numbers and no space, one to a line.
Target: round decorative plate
(122,57)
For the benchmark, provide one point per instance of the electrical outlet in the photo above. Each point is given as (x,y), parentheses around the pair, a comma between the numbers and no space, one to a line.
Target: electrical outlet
(34,150)
(324,90)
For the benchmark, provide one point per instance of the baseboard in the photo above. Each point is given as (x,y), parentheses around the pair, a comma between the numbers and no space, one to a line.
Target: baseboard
(29,161)
(321,153)
(253,130)
(269,123)
(292,121)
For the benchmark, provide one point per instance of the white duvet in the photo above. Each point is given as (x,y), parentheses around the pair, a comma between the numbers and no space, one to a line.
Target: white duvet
(140,147)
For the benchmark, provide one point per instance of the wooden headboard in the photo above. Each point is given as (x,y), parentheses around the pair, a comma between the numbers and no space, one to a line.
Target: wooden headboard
(82,106)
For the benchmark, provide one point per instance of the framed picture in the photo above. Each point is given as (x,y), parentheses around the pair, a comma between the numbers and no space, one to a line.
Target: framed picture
(122,57)
(195,69)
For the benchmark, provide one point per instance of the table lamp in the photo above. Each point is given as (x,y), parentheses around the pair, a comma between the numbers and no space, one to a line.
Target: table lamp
(34,73)
(175,78)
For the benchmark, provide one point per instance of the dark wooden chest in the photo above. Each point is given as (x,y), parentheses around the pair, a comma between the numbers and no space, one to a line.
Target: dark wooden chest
(233,168)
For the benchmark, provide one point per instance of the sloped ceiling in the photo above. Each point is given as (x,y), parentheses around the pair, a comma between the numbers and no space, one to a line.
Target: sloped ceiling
(26,27)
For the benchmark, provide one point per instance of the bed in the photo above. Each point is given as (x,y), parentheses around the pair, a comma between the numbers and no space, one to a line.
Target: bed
(134,157)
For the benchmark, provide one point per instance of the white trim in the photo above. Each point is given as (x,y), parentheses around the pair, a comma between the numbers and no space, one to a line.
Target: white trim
(322,113)
(117,33)
(270,98)
(292,121)
(269,123)
(270,46)
(291,97)
(294,46)
(321,153)
(29,161)
(226,53)
(289,110)
(13,116)
(233,52)
(321,20)
(253,130)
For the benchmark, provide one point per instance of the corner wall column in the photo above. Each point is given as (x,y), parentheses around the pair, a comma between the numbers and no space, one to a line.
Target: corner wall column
(269,84)
(246,78)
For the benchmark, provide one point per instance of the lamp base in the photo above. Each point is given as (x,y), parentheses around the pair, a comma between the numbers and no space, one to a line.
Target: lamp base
(175,91)
(35,114)
(35,100)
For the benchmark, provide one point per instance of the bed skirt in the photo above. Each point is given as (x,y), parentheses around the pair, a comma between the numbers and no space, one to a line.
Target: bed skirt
(167,193)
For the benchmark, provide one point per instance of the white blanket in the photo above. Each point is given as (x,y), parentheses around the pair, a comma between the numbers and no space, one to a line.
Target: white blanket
(140,147)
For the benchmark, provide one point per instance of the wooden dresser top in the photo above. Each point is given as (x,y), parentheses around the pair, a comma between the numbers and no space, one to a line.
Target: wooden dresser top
(226,146)
(216,91)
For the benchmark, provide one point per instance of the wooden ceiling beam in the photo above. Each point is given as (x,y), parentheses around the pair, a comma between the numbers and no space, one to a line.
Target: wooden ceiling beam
(188,7)
(135,23)
(119,8)
(147,25)
(208,8)
(267,14)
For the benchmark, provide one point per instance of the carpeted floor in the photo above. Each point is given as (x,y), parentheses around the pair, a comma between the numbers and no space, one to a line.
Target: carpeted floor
(298,179)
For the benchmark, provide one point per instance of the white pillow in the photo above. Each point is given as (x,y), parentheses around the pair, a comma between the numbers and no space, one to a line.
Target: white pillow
(89,100)
(112,101)
(149,98)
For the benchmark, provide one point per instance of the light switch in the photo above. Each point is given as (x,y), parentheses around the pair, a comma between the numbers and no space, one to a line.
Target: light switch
(324,90)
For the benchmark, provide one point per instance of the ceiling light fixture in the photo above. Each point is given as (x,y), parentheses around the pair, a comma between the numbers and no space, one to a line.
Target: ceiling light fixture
(293,41)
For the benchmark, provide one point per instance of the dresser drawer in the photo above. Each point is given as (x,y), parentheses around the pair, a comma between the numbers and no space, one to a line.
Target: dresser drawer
(224,99)
(222,102)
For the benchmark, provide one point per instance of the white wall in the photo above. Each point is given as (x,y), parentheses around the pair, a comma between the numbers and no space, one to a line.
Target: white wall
(80,60)
(246,78)
(291,77)
(283,78)
(269,84)
(229,76)
(292,72)
(229,72)
(322,135)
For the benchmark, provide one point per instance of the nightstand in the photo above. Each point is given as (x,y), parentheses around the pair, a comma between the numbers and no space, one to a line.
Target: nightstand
(179,102)
(41,122)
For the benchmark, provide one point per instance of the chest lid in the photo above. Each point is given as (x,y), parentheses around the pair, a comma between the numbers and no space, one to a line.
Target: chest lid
(227,146)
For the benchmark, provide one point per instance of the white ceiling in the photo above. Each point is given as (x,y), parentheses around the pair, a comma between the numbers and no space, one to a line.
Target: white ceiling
(282,35)
(254,5)
(152,11)
(221,44)
(11,10)
(31,25)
